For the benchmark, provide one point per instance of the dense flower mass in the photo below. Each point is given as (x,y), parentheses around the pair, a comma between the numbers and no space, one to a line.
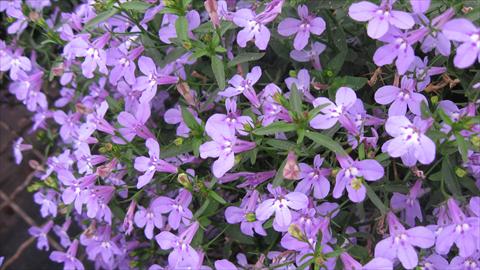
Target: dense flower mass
(272,134)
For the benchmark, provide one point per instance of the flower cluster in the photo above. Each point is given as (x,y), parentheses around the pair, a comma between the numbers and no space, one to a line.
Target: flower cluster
(250,135)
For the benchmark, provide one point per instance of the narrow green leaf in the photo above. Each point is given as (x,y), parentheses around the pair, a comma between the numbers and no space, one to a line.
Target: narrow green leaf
(181,26)
(295,100)
(326,142)
(136,5)
(275,127)
(462,146)
(202,209)
(280,144)
(173,55)
(375,199)
(216,197)
(175,150)
(278,180)
(102,16)
(219,71)
(244,57)
(449,177)
(190,120)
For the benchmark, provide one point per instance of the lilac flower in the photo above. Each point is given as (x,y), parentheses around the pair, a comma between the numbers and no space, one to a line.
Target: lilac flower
(254,24)
(149,218)
(232,119)
(400,243)
(174,116)
(434,262)
(47,201)
(177,208)
(61,232)
(41,234)
(67,94)
(245,215)
(352,174)
(466,33)
(97,203)
(168,32)
(379,263)
(68,258)
(20,24)
(123,63)
(18,148)
(244,86)
(312,55)
(380,18)
(463,231)
(409,203)
(151,164)
(422,72)
(280,205)
(436,39)
(16,63)
(465,263)
(272,110)
(314,179)
(95,55)
(409,142)
(153,77)
(302,82)
(302,28)
(223,146)
(224,265)
(135,125)
(345,98)
(68,123)
(127,225)
(250,178)
(27,89)
(97,119)
(86,161)
(182,252)
(399,47)
(401,98)
(103,246)
(76,189)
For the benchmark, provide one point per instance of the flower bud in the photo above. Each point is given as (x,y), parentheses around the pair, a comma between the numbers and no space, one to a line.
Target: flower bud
(475,141)
(182,178)
(178,141)
(291,170)
(295,231)
(184,89)
(460,172)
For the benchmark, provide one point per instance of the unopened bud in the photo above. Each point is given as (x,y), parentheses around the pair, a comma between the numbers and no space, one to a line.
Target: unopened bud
(295,231)
(58,69)
(35,165)
(178,141)
(291,170)
(187,45)
(292,73)
(434,100)
(475,141)
(79,107)
(460,172)
(334,172)
(184,89)
(182,178)
(33,16)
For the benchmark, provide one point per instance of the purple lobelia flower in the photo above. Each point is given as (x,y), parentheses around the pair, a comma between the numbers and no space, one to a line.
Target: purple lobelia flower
(97,119)
(149,218)
(312,55)
(95,55)
(225,265)
(401,98)
(420,7)
(433,262)
(151,164)
(182,253)
(16,63)
(464,231)
(76,190)
(68,258)
(168,30)
(399,46)
(240,85)
(436,39)
(421,72)
(135,125)
(62,232)
(153,77)
(280,205)
(18,148)
(302,82)
(245,215)
(67,94)
(123,63)
(352,174)
(380,18)
(465,263)
(41,234)
(86,161)
(233,118)
(250,178)
(409,142)
(302,28)
(400,244)
(409,204)
(466,33)
(97,203)
(254,24)
(69,123)
(47,201)
(102,246)
(27,89)
(349,263)
(271,109)
(174,116)
(223,146)
(20,24)
(314,179)
(177,208)
(345,98)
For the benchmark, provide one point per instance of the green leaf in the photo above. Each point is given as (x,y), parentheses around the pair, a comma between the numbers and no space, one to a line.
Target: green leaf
(212,194)
(102,16)
(136,5)
(295,100)
(278,180)
(349,81)
(244,57)
(175,150)
(444,116)
(280,144)
(190,120)
(181,26)
(462,146)
(173,55)
(202,209)
(219,71)
(375,199)
(326,142)
(449,177)
(275,127)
